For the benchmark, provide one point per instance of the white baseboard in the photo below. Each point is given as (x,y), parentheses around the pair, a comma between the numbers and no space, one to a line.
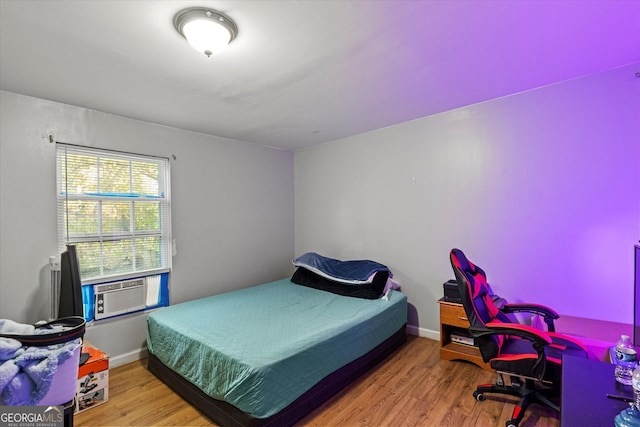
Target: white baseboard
(422,332)
(123,359)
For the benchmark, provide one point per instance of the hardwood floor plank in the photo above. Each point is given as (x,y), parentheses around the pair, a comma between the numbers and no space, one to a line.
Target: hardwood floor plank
(411,388)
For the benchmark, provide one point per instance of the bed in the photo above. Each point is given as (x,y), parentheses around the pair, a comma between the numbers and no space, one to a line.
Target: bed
(269,354)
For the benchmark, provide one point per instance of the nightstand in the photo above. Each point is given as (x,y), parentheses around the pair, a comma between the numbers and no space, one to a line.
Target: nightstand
(454,319)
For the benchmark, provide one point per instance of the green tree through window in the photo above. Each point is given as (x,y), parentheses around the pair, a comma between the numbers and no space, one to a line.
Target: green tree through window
(115,208)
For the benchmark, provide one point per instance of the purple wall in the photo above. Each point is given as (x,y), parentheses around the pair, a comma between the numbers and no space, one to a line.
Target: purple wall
(540,188)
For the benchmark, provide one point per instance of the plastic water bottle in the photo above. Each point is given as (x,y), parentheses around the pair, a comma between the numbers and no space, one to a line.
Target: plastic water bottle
(636,387)
(625,360)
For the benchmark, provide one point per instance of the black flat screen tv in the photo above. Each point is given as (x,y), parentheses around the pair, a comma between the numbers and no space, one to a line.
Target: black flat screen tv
(70,303)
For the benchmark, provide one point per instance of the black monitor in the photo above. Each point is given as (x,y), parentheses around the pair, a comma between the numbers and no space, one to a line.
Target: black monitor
(70,303)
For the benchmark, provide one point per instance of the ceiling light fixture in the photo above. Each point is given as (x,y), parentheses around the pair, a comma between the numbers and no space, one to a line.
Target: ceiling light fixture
(207,30)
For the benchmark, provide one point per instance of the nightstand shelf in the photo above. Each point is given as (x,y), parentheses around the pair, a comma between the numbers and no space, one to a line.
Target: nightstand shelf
(454,319)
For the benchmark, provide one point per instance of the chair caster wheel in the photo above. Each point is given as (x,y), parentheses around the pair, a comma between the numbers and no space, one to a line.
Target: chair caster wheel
(478,395)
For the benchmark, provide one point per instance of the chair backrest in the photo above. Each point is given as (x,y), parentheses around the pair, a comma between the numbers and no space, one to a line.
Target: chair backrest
(478,302)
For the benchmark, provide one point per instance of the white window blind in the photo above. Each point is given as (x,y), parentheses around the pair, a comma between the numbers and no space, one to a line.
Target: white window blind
(115,207)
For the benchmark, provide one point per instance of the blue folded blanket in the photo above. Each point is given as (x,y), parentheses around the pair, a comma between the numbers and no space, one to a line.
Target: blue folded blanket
(354,272)
(26,372)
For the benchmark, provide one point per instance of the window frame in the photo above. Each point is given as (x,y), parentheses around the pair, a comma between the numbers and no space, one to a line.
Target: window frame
(163,198)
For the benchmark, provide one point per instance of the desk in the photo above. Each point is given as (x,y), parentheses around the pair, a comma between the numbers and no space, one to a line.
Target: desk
(585,384)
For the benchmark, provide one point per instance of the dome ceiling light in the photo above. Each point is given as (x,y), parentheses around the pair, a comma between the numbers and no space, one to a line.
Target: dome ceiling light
(207,30)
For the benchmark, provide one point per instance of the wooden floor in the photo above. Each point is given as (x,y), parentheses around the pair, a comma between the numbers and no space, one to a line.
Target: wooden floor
(413,387)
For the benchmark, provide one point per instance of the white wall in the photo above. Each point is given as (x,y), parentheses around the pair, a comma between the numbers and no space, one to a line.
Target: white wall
(232,208)
(541,189)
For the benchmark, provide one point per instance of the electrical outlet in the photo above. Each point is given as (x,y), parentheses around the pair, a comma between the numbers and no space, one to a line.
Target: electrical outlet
(54,263)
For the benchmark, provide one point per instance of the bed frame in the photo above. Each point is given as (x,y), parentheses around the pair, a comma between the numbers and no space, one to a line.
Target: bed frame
(228,415)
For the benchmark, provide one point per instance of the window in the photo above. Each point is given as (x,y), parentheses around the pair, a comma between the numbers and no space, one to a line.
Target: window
(115,208)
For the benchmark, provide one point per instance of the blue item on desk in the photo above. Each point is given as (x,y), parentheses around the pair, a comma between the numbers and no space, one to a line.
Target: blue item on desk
(629,417)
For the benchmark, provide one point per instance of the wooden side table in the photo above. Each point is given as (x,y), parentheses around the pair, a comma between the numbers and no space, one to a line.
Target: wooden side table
(453,318)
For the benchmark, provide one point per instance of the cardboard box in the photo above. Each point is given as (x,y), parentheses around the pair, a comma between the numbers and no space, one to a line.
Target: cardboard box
(93,379)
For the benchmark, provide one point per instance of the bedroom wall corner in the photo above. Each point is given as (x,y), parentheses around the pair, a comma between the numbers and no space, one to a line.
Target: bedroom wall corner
(232,209)
(539,188)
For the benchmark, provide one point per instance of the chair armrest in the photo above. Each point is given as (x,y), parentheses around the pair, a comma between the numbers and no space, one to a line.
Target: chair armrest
(542,310)
(548,313)
(538,338)
(524,331)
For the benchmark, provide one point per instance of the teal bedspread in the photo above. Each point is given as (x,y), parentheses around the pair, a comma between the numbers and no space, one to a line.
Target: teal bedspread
(260,348)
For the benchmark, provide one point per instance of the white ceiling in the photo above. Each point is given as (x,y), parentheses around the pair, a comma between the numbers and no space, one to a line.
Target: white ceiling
(306,72)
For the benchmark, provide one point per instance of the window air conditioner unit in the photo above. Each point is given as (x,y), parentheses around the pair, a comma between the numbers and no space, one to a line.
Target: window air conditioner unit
(113,299)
